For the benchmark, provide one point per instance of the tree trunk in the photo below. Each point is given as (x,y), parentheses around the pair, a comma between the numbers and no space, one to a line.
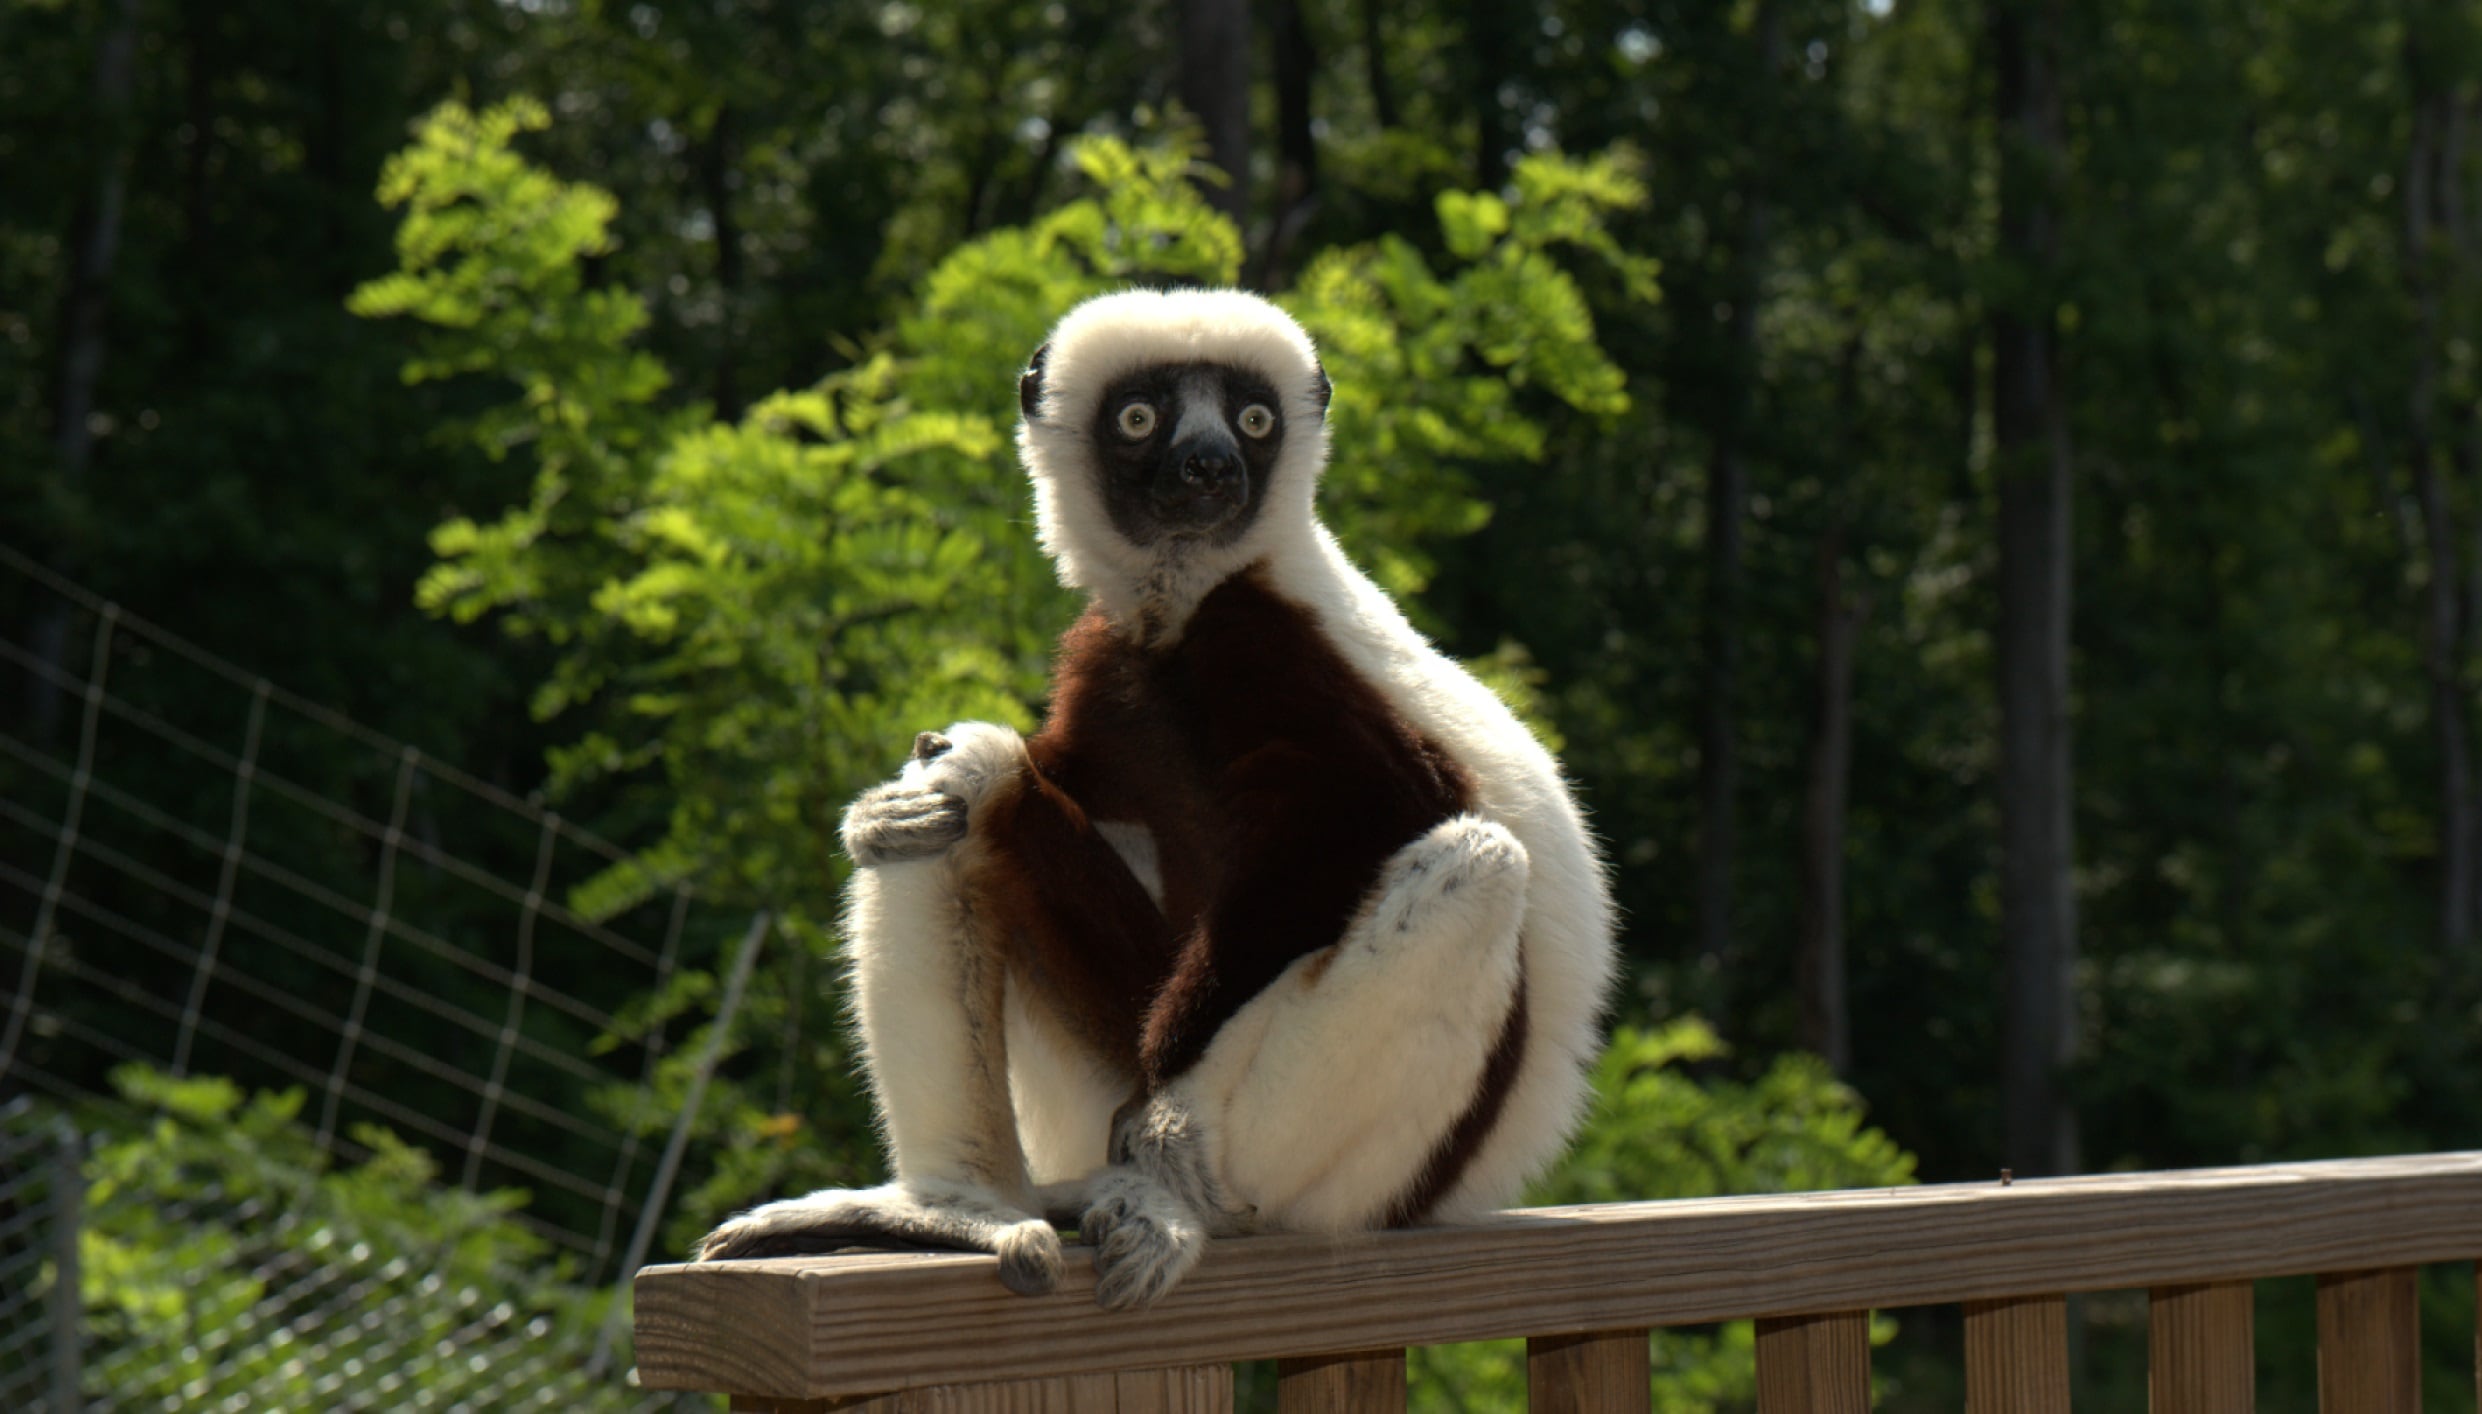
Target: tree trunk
(716,157)
(1493,34)
(1727,504)
(1826,1023)
(2038,910)
(94,238)
(1297,153)
(1215,87)
(2432,216)
(201,56)
(1375,66)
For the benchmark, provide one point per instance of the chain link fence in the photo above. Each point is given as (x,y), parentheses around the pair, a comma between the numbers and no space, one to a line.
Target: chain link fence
(321,1091)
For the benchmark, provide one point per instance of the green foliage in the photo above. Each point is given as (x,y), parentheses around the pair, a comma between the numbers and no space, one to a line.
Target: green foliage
(766,609)
(900,196)
(224,1257)
(762,611)
(1658,1130)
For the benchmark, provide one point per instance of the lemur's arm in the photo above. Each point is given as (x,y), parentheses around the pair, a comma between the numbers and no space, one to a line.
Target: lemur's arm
(1032,866)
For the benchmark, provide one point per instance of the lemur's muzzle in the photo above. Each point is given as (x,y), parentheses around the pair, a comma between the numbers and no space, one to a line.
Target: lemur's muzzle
(1203,483)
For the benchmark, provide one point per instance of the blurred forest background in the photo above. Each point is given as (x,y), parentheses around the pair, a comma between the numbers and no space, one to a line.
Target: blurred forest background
(1985,494)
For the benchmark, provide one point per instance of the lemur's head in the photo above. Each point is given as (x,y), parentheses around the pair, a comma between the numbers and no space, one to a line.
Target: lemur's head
(1173,437)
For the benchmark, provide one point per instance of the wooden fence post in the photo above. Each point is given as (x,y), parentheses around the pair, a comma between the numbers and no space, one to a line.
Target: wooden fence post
(1357,1382)
(2016,1356)
(1607,1372)
(1814,1364)
(2203,1357)
(2369,1343)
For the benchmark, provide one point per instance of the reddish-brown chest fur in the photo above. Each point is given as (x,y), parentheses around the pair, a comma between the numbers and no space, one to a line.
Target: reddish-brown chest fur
(1275,780)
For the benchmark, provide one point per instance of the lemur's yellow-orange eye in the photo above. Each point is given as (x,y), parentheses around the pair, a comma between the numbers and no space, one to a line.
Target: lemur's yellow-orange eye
(1257,420)
(1137,421)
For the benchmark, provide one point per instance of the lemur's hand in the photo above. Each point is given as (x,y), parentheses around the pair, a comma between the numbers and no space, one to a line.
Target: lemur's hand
(924,811)
(965,761)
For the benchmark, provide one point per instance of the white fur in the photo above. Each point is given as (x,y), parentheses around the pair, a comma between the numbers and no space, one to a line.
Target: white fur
(1135,844)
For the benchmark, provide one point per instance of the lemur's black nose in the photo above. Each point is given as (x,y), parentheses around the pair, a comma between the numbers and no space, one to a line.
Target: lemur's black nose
(1211,468)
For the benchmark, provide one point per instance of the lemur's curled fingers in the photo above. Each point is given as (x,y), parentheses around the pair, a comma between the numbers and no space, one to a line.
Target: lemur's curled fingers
(901,821)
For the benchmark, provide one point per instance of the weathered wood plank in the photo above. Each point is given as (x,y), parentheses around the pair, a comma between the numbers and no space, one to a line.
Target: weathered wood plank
(1188,1389)
(2016,1356)
(820,1326)
(1200,1389)
(1600,1372)
(2369,1343)
(1353,1383)
(2203,1356)
(1814,1364)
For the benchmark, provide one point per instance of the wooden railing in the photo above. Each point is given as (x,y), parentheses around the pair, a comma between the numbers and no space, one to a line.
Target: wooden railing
(1584,1285)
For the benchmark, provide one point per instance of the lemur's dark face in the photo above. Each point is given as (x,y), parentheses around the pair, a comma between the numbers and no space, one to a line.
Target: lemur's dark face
(1186,451)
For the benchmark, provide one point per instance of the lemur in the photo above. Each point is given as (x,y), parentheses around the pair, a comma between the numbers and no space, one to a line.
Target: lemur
(1281,922)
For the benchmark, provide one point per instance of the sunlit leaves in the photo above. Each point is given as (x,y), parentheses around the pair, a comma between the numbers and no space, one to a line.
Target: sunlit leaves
(751,618)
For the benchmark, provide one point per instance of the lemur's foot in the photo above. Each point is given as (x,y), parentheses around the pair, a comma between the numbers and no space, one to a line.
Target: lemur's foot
(1145,1240)
(948,1217)
(1467,865)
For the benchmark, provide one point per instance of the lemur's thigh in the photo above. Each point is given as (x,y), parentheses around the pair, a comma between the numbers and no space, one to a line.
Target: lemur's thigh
(1328,1094)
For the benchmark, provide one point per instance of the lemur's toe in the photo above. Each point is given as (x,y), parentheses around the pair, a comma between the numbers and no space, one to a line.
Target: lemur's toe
(1030,1260)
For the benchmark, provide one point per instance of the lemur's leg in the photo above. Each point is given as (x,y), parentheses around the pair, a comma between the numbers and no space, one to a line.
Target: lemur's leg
(1327,1099)
(977,873)
(928,987)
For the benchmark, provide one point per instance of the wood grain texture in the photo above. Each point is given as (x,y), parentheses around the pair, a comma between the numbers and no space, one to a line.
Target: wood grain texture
(2016,1356)
(812,1327)
(1203,1389)
(1814,1364)
(2369,1343)
(1359,1382)
(1188,1389)
(2202,1340)
(1594,1373)
(1600,1372)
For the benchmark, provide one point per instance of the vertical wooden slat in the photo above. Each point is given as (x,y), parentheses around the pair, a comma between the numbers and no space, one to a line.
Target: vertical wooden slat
(1341,1384)
(1814,1364)
(2204,1357)
(2369,1343)
(1606,1372)
(2016,1356)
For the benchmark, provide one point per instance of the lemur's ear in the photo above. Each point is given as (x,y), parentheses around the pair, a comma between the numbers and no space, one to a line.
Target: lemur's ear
(1319,386)
(1030,384)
